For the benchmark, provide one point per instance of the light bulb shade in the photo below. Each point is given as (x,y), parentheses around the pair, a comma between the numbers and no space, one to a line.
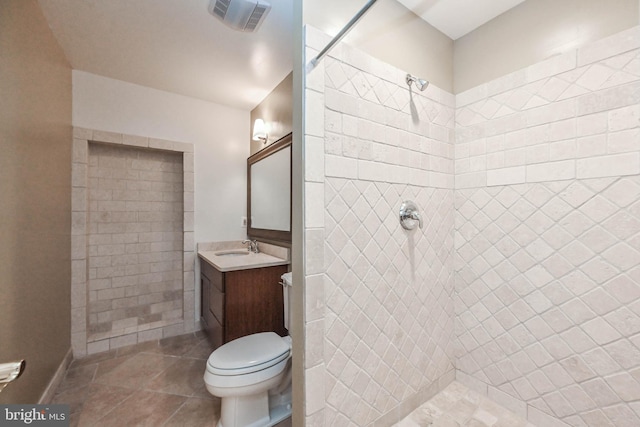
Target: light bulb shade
(259,130)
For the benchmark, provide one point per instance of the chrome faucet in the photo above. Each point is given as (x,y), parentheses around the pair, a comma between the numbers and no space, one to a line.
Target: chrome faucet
(252,245)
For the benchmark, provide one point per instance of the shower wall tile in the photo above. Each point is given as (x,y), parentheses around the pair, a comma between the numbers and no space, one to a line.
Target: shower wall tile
(382,296)
(119,234)
(547,249)
(562,111)
(624,41)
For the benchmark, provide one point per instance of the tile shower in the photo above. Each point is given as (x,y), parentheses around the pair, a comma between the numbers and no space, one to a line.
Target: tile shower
(547,236)
(523,284)
(384,339)
(135,240)
(132,240)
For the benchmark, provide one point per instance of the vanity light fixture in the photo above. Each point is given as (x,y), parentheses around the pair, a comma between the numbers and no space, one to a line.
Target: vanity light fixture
(260,131)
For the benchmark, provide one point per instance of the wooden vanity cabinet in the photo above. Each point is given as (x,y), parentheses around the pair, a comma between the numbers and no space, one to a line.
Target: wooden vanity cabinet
(241,302)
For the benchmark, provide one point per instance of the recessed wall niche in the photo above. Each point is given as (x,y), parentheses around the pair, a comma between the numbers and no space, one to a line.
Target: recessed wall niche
(132,240)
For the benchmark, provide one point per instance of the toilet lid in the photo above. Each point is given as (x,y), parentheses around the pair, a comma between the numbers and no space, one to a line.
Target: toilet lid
(248,354)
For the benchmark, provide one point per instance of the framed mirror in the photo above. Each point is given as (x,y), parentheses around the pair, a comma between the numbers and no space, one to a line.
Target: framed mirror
(269,192)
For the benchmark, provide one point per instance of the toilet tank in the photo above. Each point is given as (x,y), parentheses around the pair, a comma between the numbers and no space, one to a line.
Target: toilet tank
(286,283)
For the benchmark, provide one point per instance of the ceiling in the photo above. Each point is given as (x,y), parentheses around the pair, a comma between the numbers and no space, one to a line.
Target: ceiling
(177,46)
(455,18)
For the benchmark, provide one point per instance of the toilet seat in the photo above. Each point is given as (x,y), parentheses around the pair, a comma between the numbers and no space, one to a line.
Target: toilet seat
(248,354)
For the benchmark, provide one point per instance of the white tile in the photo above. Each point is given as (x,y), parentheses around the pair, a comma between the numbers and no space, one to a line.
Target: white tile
(594,77)
(315,76)
(97,346)
(505,176)
(623,141)
(338,166)
(314,205)
(314,159)
(624,118)
(614,165)
(609,46)
(552,66)
(562,150)
(625,386)
(314,254)
(160,144)
(104,136)
(314,113)
(539,418)
(470,180)
(511,403)
(563,129)
(592,124)
(80,150)
(372,171)
(82,133)
(600,331)
(551,171)
(608,99)
(550,113)
(188,162)
(135,141)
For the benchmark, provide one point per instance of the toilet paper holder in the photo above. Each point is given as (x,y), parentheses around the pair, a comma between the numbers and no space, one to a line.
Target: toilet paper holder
(10,372)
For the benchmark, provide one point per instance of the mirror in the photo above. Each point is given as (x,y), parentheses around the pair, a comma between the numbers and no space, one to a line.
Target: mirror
(269,192)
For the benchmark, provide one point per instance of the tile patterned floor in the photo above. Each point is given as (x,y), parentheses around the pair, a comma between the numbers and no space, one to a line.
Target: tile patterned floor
(150,384)
(458,406)
(159,383)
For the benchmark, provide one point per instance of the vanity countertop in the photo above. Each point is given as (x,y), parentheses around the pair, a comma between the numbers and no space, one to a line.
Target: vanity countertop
(240,262)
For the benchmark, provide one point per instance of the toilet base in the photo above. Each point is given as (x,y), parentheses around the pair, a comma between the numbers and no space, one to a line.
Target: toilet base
(279,413)
(234,411)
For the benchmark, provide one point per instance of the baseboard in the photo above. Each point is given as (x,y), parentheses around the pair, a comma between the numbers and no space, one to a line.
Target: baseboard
(47,395)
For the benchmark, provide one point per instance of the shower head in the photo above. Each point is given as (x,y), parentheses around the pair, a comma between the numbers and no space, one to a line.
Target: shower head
(420,84)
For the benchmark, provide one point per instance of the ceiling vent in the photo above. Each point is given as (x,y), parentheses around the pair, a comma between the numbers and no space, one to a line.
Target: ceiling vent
(241,15)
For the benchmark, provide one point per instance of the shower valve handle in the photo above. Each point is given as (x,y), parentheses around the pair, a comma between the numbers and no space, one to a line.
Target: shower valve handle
(409,215)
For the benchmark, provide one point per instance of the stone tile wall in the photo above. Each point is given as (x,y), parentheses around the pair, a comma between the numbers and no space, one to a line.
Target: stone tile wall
(546,249)
(132,240)
(548,237)
(379,299)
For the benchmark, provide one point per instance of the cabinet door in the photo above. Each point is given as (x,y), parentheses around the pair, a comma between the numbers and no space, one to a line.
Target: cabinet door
(254,302)
(211,281)
(205,313)
(217,296)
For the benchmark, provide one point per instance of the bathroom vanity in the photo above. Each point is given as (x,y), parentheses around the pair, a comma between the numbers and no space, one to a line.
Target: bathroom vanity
(241,293)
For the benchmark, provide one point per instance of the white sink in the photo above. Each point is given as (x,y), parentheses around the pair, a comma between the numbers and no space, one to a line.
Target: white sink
(232,253)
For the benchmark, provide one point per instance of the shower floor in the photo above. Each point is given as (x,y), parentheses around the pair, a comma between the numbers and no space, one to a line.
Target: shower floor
(458,406)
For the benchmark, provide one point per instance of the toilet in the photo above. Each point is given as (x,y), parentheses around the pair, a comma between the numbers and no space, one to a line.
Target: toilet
(252,376)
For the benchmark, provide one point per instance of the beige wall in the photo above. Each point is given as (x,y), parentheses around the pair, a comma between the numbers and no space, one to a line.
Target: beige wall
(533,31)
(389,32)
(276,111)
(35,198)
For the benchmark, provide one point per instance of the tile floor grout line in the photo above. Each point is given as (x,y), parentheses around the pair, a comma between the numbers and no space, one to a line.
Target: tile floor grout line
(175,412)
